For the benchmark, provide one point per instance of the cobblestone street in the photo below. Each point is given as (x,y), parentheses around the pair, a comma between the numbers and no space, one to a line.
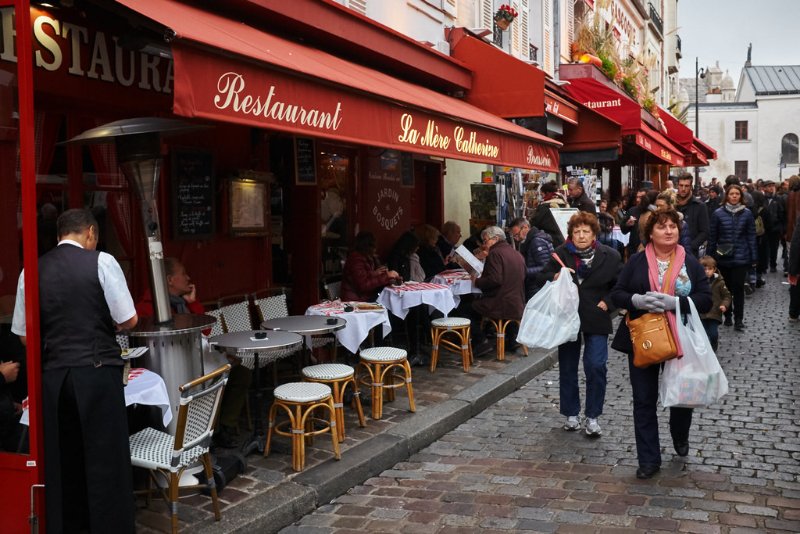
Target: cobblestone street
(512,467)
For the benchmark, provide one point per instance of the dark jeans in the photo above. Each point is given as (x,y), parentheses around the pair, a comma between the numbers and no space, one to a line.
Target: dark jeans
(794,301)
(768,251)
(734,279)
(595,358)
(644,383)
(712,331)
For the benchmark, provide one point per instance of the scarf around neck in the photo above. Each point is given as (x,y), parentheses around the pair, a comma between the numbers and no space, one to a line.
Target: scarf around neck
(734,208)
(677,260)
(583,258)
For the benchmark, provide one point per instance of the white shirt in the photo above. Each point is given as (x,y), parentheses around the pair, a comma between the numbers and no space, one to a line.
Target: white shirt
(112,280)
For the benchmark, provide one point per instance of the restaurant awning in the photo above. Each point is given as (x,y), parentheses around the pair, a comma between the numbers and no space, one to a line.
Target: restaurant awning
(588,86)
(594,139)
(501,83)
(225,70)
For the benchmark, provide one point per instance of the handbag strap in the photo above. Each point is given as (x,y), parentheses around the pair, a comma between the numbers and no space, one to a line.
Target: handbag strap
(668,274)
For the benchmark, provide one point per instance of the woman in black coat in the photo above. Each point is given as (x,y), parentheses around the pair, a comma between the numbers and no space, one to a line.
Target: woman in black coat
(595,267)
(640,289)
(732,242)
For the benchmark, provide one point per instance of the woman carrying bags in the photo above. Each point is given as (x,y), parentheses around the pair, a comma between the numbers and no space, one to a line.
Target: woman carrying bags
(649,283)
(595,267)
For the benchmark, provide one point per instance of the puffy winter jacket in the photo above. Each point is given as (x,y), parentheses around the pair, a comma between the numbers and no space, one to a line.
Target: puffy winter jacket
(536,250)
(738,229)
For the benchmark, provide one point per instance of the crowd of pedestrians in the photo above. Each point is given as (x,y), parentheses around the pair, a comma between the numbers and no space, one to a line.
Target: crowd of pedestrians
(711,245)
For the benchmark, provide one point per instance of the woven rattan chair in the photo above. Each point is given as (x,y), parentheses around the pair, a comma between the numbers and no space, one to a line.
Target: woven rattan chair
(338,376)
(455,326)
(299,400)
(385,369)
(275,307)
(216,328)
(169,455)
(500,326)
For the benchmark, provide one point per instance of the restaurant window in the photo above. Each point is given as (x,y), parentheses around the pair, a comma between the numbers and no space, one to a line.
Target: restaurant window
(740,170)
(740,131)
(789,149)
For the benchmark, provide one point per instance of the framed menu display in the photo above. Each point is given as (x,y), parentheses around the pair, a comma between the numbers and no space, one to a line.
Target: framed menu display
(305,161)
(248,207)
(193,198)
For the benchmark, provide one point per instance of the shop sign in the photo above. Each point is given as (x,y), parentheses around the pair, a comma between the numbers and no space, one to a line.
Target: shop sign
(219,88)
(80,51)
(601,104)
(387,209)
(555,107)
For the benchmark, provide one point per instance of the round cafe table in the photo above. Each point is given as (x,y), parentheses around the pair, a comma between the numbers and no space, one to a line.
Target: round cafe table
(306,326)
(245,345)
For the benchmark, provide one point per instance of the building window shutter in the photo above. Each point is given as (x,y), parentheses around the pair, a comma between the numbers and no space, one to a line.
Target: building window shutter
(516,43)
(570,26)
(449,7)
(547,33)
(487,14)
(358,5)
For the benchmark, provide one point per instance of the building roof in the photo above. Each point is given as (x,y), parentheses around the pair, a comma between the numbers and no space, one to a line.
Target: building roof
(774,79)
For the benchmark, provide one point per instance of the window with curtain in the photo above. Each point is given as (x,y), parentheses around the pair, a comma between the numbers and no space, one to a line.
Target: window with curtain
(789,152)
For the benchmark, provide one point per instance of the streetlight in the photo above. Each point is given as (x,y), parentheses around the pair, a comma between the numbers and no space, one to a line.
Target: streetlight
(698,73)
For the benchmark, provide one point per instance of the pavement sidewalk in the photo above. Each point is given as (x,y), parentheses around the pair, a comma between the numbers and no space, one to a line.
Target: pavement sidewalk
(270,496)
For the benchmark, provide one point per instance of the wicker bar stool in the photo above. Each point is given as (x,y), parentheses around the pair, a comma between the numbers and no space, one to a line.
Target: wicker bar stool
(338,376)
(378,368)
(299,400)
(458,326)
(500,328)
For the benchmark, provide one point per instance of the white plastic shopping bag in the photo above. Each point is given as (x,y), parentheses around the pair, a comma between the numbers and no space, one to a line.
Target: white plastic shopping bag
(551,316)
(696,379)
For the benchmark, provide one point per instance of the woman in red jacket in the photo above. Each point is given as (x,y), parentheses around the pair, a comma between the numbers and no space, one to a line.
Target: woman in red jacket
(364,276)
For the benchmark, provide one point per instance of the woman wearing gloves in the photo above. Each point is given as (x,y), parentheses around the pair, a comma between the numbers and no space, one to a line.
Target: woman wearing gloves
(642,288)
(595,268)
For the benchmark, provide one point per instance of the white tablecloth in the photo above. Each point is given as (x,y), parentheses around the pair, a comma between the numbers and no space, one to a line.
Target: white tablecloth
(359,322)
(459,282)
(144,387)
(400,299)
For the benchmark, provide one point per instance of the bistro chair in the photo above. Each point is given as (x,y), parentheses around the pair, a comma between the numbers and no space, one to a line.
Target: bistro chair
(299,400)
(217,327)
(384,369)
(459,328)
(500,326)
(160,452)
(333,289)
(236,317)
(338,376)
(275,307)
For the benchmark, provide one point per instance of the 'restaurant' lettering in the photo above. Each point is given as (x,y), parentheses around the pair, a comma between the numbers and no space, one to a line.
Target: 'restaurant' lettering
(231,95)
(614,103)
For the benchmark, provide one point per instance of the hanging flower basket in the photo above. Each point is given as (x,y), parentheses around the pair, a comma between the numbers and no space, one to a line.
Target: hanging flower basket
(505,16)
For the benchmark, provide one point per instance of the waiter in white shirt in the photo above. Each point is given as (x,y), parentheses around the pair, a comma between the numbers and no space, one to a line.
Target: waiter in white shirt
(83,300)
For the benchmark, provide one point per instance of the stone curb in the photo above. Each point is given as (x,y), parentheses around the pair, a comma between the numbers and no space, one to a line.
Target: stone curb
(289,501)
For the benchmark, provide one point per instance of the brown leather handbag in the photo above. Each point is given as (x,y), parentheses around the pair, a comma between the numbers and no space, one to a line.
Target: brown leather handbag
(652,339)
(651,336)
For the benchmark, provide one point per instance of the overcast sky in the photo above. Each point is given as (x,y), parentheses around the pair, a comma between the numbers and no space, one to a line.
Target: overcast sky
(720,30)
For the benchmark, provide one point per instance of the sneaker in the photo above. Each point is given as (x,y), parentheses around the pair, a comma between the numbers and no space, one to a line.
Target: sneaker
(748,289)
(793,319)
(573,423)
(760,283)
(728,321)
(593,427)
(739,327)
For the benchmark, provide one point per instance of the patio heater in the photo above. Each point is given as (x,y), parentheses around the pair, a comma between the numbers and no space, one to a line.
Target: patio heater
(174,343)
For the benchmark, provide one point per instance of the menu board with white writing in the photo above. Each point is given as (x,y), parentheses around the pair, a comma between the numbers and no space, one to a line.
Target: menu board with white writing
(192,194)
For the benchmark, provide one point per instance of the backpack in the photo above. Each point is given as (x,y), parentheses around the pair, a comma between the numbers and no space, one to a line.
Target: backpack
(759,220)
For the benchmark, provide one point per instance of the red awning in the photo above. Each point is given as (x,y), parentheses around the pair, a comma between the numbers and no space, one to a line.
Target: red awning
(266,81)
(560,107)
(676,131)
(656,144)
(705,149)
(593,90)
(501,83)
(593,132)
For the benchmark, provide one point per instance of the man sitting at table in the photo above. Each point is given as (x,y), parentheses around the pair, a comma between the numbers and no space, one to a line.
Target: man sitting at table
(503,287)
(448,241)
(183,299)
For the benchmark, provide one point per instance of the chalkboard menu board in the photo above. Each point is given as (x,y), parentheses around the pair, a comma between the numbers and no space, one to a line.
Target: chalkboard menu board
(192,194)
(407,170)
(305,161)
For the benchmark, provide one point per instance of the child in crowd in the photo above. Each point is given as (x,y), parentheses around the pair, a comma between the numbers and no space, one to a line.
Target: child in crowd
(720,300)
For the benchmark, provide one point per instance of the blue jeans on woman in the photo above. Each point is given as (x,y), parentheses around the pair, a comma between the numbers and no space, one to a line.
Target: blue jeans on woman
(595,358)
